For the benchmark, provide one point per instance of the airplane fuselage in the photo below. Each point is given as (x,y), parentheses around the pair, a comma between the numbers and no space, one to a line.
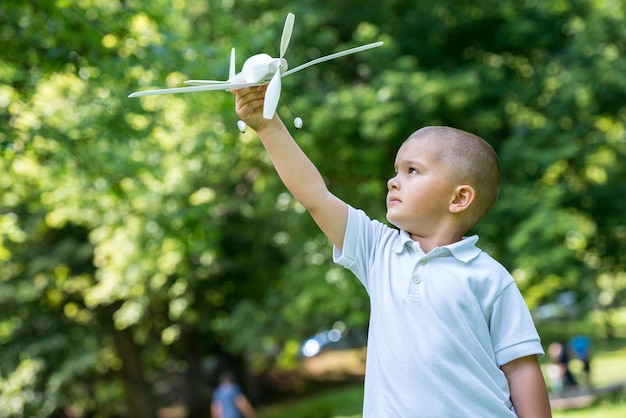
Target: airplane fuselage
(259,69)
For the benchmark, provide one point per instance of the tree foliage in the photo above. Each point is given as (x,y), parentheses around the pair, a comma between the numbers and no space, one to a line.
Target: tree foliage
(144,241)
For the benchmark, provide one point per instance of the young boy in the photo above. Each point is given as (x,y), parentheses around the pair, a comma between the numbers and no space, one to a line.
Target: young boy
(449,335)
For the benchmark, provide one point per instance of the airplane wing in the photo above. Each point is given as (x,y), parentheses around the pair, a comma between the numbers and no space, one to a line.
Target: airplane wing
(192,89)
(332,57)
(203,82)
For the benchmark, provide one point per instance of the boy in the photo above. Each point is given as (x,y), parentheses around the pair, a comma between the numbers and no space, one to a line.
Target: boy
(449,335)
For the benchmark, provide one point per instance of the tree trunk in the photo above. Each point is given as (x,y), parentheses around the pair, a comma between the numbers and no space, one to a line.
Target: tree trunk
(140,401)
(198,389)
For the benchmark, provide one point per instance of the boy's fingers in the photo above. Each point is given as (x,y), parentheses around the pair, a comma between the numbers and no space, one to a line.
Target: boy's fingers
(250,96)
(246,101)
(247,90)
(242,89)
(249,103)
(243,94)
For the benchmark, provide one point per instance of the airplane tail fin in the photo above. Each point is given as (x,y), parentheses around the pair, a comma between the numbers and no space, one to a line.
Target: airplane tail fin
(231,72)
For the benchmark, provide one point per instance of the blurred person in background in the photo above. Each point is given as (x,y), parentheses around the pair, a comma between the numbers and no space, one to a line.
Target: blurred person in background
(559,373)
(580,347)
(229,400)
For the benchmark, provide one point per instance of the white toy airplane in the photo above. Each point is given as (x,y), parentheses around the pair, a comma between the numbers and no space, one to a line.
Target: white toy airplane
(258,70)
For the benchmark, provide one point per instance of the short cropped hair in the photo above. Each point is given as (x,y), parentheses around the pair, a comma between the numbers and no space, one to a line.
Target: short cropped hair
(472,161)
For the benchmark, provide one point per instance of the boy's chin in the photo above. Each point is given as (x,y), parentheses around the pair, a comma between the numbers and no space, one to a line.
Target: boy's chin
(392,221)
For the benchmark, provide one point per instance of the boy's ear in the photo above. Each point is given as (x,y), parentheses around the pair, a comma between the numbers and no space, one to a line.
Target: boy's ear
(463,197)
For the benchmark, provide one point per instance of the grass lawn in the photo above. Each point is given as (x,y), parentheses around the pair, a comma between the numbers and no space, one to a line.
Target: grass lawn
(615,409)
(346,403)
(343,402)
(608,367)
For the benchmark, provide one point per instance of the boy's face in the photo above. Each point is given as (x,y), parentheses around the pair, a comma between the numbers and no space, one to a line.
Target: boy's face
(420,193)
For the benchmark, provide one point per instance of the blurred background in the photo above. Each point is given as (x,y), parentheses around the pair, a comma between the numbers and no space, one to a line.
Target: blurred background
(146,244)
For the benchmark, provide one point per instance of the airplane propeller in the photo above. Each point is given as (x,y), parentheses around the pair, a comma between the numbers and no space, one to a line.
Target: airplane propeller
(273,90)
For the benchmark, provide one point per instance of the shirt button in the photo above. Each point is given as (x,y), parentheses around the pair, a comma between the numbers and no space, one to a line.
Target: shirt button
(422,262)
(417,280)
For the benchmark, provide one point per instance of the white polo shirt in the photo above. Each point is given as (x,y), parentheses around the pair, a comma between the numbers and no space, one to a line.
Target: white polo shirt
(441,324)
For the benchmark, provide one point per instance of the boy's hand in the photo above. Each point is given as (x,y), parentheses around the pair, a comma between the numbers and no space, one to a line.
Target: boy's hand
(249,106)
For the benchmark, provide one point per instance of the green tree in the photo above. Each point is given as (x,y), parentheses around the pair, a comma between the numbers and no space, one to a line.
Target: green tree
(145,241)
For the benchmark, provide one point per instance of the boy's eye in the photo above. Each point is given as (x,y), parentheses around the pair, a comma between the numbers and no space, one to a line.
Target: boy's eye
(412,170)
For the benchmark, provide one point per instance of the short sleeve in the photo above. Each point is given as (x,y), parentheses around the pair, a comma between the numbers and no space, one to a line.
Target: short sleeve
(512,330)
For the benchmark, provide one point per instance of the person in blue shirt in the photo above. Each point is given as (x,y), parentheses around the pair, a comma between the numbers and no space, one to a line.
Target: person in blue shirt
(581,349)
(229,400)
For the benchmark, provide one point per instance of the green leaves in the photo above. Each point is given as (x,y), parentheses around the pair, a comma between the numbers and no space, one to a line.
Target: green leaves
(155,219)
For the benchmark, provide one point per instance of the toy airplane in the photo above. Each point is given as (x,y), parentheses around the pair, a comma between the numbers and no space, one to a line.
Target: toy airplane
(258,70)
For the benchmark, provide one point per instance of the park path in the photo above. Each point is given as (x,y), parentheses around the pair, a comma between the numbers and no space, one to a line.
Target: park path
(580,398)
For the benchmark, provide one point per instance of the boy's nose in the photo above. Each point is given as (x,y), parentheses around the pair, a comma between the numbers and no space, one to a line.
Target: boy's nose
(392,184)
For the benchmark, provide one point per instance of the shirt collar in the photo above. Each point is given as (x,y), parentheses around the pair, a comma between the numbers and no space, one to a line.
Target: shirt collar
(464,250)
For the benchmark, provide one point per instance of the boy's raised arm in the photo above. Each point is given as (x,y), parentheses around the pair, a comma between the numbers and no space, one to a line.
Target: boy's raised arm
(297,172)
